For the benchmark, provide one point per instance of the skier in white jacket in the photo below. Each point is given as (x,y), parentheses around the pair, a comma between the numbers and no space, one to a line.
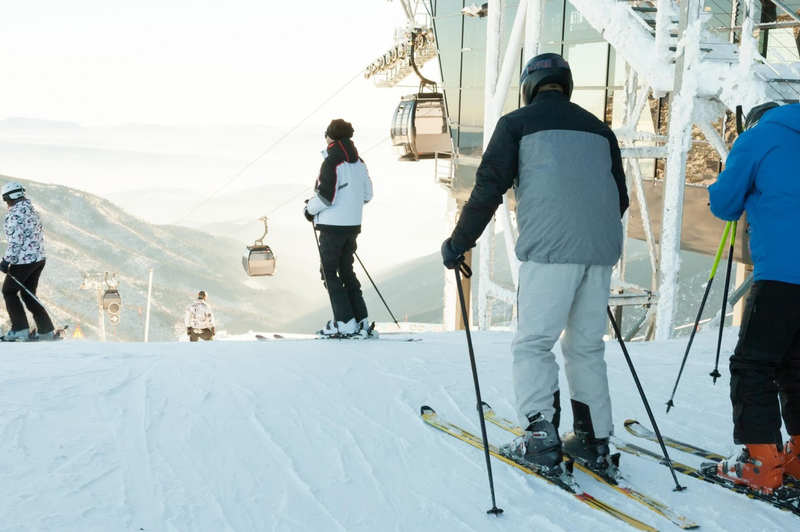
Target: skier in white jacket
(342,189)
(200,320)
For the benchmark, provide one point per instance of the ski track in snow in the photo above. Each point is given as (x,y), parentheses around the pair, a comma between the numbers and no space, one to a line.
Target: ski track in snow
(304,436)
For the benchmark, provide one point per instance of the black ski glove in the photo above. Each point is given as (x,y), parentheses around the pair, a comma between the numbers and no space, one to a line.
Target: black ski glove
(452,255)
(189,331)
(4,265)
(308,215)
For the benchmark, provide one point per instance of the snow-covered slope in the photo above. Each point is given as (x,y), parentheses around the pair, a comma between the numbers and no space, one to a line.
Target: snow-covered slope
(319,436)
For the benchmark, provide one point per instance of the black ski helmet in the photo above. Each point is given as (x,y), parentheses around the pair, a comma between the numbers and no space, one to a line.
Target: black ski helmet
(541,70)
(757,112)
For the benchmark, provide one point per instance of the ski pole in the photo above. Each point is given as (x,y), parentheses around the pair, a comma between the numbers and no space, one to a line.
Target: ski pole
(379,292)
(460,266)
(64,327)
(322,270)
(670,404)
(678,486)
(716,374)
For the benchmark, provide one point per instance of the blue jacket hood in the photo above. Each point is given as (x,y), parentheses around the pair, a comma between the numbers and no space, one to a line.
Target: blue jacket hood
(786,115)
(762,177)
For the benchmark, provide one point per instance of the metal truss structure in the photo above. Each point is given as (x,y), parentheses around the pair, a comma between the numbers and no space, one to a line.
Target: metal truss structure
(417,37)
(670,51)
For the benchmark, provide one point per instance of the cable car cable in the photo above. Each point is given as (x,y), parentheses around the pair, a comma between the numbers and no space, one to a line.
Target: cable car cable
(302,192)
(175,224)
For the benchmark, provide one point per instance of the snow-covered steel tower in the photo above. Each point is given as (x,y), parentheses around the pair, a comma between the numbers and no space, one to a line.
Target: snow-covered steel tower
(665,75)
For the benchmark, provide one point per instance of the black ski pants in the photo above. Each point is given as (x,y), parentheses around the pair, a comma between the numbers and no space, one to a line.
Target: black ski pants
(337,253)
(765,366)
(201,334)
(28,275)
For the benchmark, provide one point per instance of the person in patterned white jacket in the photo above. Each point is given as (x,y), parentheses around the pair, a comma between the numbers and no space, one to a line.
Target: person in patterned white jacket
(200,320)
(23,263)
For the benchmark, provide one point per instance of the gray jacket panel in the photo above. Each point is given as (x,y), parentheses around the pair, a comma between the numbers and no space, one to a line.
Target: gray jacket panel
(567,200)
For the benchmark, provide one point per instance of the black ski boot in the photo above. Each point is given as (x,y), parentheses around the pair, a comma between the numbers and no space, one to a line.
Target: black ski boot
(539,448)
(592,453)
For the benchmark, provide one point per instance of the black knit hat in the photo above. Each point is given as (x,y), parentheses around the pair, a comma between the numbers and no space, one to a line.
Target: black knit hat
(338,129)
(202,294)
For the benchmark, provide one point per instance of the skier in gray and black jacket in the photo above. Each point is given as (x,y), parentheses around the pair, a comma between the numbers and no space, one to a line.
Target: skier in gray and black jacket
(566,170)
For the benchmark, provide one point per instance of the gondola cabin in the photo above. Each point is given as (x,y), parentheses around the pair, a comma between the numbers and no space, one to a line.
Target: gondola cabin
(258,261)
(112,302)
(419,128)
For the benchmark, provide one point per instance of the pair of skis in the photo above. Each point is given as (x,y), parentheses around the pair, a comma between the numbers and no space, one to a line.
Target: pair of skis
(619,484)
(786,498)
(355,336)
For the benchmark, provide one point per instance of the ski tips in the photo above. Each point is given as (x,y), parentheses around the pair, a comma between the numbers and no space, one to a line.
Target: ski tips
(425,409)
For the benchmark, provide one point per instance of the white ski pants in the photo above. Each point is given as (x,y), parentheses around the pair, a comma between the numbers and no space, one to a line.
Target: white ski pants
(553,298)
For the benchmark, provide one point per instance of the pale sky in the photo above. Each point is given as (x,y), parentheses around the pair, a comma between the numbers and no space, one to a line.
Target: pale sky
(192,62)
(105,63)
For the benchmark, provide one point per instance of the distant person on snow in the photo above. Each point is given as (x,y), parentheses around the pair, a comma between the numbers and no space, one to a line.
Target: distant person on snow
(570,237)
(762,177)
(342,189)
(24,261)
(200,320)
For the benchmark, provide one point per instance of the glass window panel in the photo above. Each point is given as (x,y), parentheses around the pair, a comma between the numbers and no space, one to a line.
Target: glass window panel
(472,101)
(783,46)
(616,69)
(448,33)
(452,98)
(470,141)
(512,100)
(720,21)
(451,68)
(465,179)
(593,100)
(473,72)
(765,10)
(553,21)
(475,33)
(577,28)
(447,7)
(552,48)
(511,14)
(588,62)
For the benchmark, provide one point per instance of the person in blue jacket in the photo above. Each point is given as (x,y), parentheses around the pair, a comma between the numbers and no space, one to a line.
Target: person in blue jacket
(762,177)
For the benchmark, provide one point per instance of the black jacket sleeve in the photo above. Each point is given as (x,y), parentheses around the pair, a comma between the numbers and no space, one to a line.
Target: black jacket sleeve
(618,171)
(496,174)
(327,181)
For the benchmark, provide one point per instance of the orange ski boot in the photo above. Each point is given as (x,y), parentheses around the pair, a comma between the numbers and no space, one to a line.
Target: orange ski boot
(758,466)
(791,451)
